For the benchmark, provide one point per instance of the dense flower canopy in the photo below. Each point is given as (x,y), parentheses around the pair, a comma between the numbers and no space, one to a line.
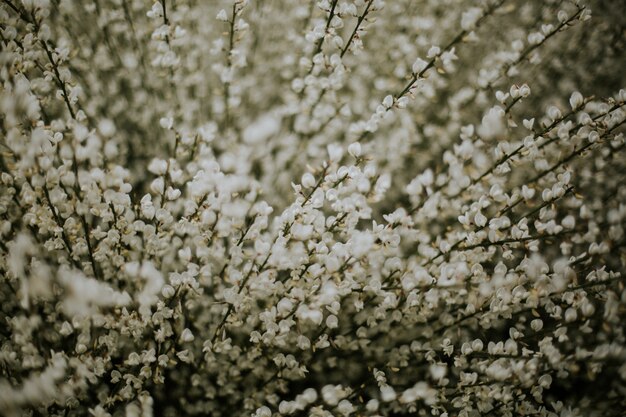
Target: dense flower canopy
(312,207)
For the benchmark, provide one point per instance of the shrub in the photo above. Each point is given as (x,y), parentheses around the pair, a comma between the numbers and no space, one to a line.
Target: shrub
(321,208)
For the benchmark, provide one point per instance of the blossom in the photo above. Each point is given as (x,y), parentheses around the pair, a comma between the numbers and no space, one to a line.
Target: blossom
(317,208)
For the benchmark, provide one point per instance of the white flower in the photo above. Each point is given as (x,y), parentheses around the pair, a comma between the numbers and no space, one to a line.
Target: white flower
(418,66)
(186,336)
(545,380)
(222,16)
(360,244)
(355,149)
(387,393)
(492,124)
(433,52)
(345,407)
(303,342)
(480,219)
(168,291)
(576,100)
(156,11)
(308,180)
(335,152)
(536,38)
(524,90)
(301,231)
(470,17)
(284,306)
(166,122)
(263,411)
(554,113)
(286,407)
(528,123)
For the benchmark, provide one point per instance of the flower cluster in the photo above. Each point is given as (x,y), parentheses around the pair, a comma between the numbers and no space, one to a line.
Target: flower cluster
(323,208)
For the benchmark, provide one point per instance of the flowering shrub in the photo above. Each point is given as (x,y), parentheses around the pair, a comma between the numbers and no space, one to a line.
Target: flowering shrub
(324,208)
